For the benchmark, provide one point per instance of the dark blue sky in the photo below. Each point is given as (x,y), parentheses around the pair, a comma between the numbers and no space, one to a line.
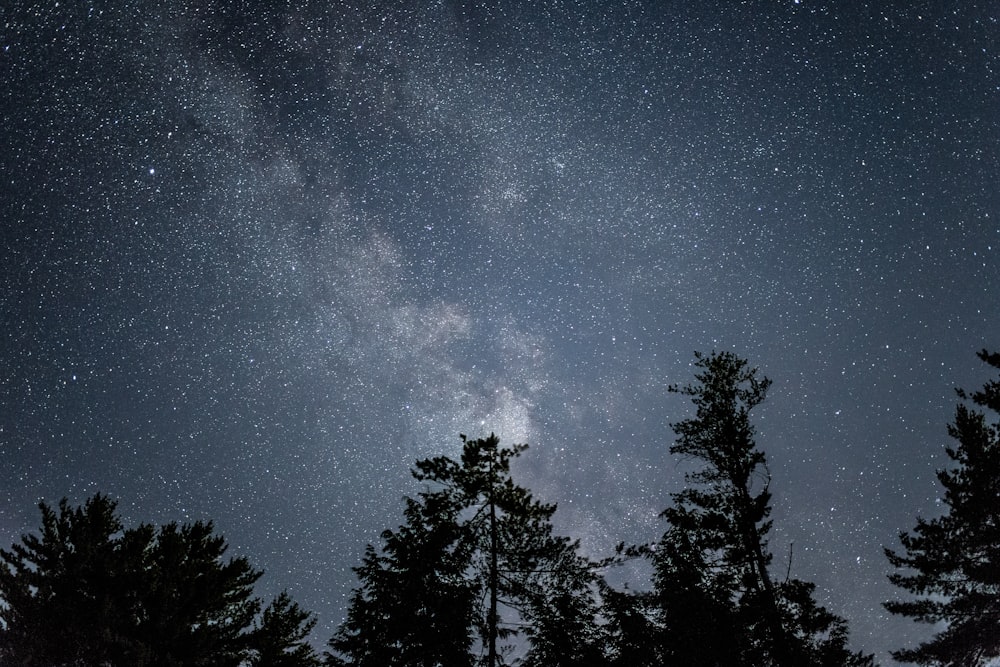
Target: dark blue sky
(258,260)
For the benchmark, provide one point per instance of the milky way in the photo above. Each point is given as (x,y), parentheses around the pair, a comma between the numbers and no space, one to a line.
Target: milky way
(255,263)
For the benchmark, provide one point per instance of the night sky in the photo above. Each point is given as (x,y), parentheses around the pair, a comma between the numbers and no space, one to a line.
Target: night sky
(257,260)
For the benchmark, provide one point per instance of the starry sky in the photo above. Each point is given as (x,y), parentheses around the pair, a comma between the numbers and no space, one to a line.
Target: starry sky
(258,259)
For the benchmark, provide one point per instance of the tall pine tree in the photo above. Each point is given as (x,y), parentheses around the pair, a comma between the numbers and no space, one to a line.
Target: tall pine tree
(516,555)
(474,560)
(952,563)
(716,549)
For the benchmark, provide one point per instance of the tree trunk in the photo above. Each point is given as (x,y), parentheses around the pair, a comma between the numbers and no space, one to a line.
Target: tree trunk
(494,575)
(779,638)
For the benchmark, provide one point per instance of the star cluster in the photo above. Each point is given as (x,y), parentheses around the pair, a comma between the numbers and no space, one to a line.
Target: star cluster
(257,262)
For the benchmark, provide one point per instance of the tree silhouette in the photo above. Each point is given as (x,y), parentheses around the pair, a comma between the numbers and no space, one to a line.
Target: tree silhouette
(475,556)
(415,606)
(280,639)
(694,603)
(561,617)
(89,591)
(727,509)
(193,605)
(630,632)
(952,563)
(716,548)
(61,602)
(515,554)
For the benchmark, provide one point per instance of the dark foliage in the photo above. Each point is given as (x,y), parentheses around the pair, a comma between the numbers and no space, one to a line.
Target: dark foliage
(475,549)
(560,617)
(88,591)
(952,563)
(280,638)
(414,605)
(630,632)
(717,601)
(693,600)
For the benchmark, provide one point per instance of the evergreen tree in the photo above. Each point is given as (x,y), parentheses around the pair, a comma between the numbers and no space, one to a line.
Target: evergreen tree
(474,557)
(515,554)
(89,591)
(281,636)
(726,510)
(952,563)
(561,618)
(415,606)
(630,630)
(60,601)
(716,549)
(193,607)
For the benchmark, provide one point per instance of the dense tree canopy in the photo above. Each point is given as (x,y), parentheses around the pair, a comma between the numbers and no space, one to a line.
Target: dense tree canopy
(88,591)
(952,563)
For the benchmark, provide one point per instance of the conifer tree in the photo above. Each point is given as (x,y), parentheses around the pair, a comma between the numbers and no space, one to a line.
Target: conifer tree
(414,606)
(89,591)
(952,563)
(474,559)
(60,602)
(515,551)
(193,605)
(716,546)
(281,637)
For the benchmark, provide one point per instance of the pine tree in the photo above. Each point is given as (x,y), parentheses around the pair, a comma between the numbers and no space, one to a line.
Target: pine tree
(280,639)
(718,535)
(952,563)
(60,602)
(727,508)
(515,552)
(474,558)
(194,606)
(89,591)
(415,606)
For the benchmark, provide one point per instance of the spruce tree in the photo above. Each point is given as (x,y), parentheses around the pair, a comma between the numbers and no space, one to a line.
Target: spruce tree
(951,564)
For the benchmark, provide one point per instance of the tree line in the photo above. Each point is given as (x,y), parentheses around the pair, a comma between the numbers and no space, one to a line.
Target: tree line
(475,575)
